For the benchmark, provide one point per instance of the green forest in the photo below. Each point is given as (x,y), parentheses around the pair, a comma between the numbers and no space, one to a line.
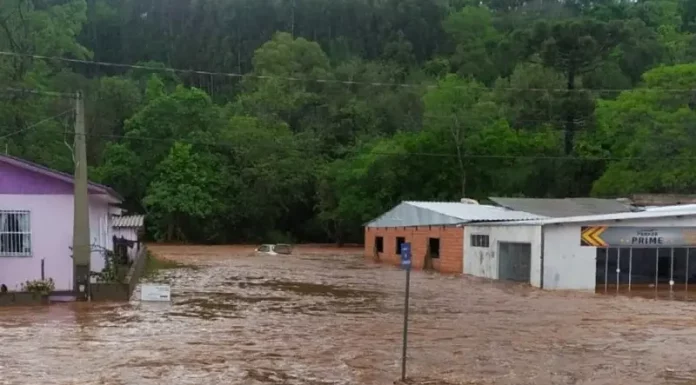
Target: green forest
(300,120)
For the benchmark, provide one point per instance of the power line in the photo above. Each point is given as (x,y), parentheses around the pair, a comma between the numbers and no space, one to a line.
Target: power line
(37,92)
(404,153)
(330,81)
(36,124)
(384,153)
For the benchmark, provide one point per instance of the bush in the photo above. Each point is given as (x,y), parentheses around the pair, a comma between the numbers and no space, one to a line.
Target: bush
(39,286)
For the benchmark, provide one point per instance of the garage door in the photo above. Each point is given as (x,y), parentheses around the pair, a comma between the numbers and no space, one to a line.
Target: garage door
(514,261)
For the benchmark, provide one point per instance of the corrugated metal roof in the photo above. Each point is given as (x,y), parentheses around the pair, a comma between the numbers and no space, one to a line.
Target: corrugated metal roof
(471,212)
(663,199)
(128,221)
(418,213)
(687,211)
(564,207)
(671,208)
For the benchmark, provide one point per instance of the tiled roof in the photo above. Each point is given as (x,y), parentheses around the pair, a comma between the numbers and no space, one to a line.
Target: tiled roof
(128,221)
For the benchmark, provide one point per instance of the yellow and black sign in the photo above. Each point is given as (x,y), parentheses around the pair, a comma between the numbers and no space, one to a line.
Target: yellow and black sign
(592,236)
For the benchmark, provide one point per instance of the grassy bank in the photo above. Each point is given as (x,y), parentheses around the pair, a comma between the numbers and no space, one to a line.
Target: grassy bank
(155,264)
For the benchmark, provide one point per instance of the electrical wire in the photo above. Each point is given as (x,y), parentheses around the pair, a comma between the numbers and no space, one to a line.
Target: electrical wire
(331,81)
(357,151)
(35,124)
(38,92)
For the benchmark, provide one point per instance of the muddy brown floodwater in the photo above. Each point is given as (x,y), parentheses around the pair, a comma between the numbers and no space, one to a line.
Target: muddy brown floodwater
(328,317)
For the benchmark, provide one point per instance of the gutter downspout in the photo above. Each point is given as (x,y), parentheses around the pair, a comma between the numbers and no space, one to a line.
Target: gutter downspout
(541,279)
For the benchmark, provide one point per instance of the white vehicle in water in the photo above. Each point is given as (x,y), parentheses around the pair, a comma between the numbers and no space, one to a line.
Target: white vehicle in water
(281,248)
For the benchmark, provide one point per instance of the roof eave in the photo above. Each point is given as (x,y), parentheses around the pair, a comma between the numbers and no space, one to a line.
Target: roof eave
(43,170)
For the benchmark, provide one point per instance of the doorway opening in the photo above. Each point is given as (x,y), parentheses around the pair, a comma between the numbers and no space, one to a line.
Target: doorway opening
(514,261)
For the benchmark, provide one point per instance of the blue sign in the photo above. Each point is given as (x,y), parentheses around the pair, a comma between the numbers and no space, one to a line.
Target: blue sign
(406,255)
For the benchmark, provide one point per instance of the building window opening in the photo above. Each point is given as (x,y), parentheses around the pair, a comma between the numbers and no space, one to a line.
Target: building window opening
(479,240)
(379,244)
(434,247)
(399,242)
(15,234)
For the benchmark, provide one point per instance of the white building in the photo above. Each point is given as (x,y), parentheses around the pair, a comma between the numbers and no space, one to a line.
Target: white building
(129,227)
(621,250)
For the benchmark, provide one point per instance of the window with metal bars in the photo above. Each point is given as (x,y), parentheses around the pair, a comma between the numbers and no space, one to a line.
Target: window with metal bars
(479,240)
(15,233)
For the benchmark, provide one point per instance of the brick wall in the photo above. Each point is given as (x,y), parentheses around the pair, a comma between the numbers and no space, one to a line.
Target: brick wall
(451,245)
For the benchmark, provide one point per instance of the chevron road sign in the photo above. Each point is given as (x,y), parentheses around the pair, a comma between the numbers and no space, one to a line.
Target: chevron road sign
(591,236)
(609,236)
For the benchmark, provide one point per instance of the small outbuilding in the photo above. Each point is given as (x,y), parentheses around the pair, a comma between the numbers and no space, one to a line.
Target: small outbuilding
(652,249)
(128,230)
(434,230)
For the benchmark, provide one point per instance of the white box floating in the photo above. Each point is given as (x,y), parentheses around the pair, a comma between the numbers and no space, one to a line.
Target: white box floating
(159,293)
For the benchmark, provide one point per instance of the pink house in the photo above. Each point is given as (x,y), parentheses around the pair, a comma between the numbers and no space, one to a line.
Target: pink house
(36,223)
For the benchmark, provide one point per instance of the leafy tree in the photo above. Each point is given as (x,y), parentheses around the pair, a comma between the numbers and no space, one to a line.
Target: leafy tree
(574,47)
(476,41)
(643,125)
(182,190)
(329,112)
(280,89)
(272,174)
(529,97)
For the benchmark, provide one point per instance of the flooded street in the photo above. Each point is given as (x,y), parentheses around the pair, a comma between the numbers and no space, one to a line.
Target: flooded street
(322,317)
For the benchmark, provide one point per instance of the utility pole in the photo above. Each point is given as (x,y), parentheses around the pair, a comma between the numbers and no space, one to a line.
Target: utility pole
(81,247)
(292,20)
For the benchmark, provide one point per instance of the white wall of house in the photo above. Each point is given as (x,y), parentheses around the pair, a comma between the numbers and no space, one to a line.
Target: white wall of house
(100,231)
(51,228)
(483,262)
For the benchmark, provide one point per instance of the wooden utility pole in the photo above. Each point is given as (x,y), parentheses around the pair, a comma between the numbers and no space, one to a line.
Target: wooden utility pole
(81,246)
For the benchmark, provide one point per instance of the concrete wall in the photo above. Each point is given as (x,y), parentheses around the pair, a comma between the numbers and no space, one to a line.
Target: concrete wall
(22,299)
(451,245)
(51,218)
(122,291)
(569,266)
(483,262)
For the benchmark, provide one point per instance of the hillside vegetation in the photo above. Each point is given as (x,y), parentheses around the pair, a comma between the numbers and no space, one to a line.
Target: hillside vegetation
(306,118)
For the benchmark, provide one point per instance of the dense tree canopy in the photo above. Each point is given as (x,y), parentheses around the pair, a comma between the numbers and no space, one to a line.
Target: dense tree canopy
(304,119)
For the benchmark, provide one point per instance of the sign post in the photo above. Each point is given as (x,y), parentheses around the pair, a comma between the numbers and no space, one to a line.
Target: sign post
(406,265)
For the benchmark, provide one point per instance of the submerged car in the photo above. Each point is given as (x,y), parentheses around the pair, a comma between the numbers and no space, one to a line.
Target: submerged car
(275,249)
